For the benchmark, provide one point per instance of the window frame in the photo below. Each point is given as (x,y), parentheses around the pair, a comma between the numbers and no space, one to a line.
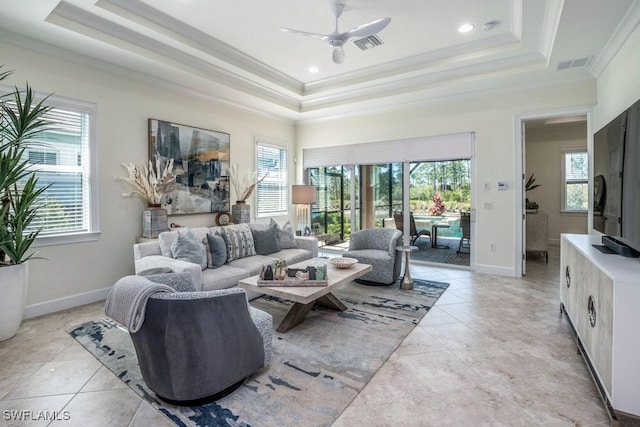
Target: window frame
(286,187)
(564,181)
(92,234)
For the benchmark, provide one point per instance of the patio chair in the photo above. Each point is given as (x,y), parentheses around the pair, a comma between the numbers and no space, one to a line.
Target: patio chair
(465,225)
(415,234)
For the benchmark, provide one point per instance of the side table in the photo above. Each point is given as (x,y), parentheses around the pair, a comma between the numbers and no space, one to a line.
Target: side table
(407,282)
(322,237)
(434,236)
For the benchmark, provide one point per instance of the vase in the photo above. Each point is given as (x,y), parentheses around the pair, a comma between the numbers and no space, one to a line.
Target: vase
(154,221)
(13,298)
(241,212)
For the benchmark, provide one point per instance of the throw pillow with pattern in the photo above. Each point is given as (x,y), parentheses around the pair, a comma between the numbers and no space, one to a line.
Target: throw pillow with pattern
(239,241)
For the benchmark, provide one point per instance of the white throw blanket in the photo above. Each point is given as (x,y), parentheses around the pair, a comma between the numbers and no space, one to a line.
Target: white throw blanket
(127,300)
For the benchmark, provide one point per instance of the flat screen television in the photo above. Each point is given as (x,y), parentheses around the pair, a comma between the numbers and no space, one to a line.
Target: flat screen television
(616,183)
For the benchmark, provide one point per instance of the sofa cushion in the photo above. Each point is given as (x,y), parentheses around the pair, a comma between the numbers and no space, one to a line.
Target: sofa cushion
(216,250)
(292,256)
(187,248)
(222,278)
(253,264)
(239,241)
(286,236)
(266,239)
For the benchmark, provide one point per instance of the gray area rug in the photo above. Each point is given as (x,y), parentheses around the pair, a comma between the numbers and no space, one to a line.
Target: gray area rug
(318,367)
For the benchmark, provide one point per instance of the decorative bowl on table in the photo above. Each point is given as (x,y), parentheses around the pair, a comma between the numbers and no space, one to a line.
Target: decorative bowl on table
(343,262)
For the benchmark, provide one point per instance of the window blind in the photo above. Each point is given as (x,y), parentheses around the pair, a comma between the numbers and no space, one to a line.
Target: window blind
(428,148)
(272,193)
(59,156)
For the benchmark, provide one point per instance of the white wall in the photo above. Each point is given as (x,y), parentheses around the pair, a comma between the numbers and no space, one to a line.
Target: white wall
(123,105)
(618,85)
(544,147)
(492,116)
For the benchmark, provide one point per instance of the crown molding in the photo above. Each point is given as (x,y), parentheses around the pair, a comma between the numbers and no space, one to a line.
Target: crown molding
(629,23)
(151,18)
(76,19)
(43,48)
(423,63)
(550,26)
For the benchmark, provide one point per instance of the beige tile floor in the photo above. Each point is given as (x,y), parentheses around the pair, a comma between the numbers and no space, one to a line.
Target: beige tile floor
(492,351)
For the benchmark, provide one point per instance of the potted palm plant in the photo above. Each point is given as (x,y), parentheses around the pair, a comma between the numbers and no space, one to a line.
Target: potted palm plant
(530,205)
(21,119)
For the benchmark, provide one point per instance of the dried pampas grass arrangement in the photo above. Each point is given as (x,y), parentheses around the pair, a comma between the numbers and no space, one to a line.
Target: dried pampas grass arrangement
(243,182)
(149,182)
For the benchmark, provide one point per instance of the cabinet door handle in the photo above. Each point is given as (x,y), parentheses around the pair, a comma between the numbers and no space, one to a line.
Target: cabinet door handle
(567,276)
(591,310)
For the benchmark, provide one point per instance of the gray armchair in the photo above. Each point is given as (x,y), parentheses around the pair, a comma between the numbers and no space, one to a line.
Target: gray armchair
(377,247)
(198,346)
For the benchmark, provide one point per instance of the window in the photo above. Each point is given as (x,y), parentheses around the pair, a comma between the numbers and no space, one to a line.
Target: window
(62,159)
(272,193)
(575,186)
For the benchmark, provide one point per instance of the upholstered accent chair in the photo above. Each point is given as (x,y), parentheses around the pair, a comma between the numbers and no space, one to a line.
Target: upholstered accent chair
(377,247)
(198,346)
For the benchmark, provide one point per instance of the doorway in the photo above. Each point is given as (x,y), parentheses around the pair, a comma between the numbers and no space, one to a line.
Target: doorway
(554,165)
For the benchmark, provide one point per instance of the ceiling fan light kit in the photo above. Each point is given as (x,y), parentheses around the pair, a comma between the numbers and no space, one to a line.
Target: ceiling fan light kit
(337,39)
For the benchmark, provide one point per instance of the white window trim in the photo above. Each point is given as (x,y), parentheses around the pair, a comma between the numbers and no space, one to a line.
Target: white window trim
(281,146)
(94,225)
(563,183)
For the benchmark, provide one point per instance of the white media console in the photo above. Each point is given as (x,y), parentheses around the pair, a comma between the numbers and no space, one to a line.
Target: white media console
(600,293)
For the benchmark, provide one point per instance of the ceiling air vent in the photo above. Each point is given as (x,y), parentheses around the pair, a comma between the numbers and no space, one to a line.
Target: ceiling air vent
(368,42)
(574,63)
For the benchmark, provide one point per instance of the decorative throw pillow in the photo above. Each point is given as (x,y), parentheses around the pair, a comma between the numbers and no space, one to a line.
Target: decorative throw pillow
(266,239)
(187,248)
(166,239)
(285,236)
(239,241)
(217,250)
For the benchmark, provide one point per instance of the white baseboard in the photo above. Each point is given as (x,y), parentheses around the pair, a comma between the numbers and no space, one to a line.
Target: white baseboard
(492,269)
(65,303)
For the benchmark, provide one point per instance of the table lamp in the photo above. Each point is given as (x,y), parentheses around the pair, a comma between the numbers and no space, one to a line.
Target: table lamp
(303,196)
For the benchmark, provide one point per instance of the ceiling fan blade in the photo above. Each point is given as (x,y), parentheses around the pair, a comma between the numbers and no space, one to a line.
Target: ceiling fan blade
(366,30)
(338,55)
(304,33)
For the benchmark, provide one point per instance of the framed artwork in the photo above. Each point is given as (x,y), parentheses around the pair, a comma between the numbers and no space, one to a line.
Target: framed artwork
(200,163)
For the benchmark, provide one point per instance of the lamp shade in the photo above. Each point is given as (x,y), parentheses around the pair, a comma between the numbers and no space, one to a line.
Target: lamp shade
(303,194)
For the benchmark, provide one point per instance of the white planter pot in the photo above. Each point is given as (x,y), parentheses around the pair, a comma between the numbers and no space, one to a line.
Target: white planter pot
(13,298)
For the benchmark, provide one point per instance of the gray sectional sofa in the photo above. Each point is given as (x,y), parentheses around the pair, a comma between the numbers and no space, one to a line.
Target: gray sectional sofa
(241,240)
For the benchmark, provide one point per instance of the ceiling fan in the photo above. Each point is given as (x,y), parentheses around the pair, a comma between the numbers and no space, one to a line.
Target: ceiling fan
(337,39)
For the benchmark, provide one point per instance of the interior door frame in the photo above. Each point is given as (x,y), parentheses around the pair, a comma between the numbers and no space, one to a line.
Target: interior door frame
(520,167)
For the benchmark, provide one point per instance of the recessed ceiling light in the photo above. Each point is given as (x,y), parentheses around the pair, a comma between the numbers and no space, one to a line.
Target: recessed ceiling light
(465,28)
(313,69)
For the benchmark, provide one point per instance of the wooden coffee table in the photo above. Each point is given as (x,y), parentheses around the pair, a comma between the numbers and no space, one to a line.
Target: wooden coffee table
(305,297)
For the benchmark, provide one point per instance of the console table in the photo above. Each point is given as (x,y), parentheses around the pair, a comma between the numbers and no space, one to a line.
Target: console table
(600,294)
